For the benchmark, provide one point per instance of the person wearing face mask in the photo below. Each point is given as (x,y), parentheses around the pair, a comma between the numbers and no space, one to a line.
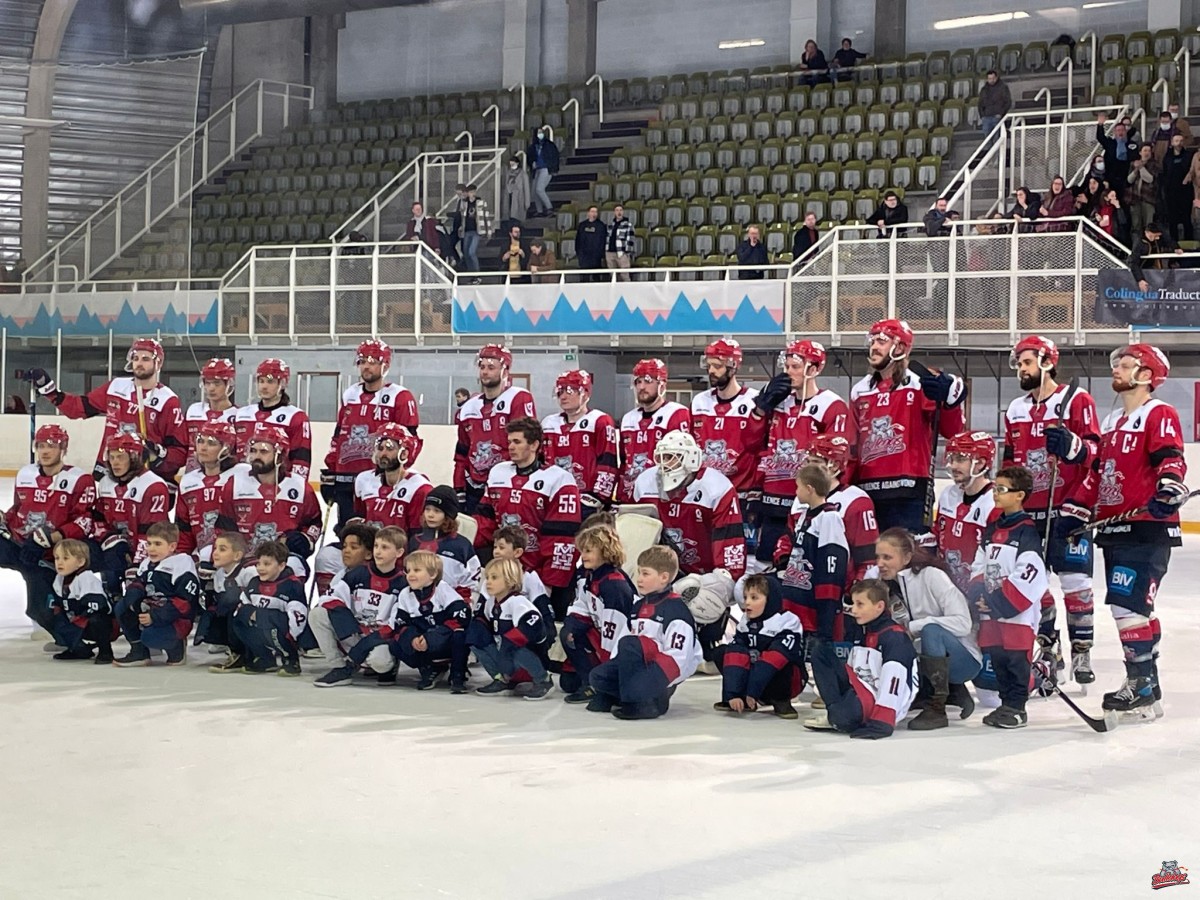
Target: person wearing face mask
(515,199)
(1142,195)
(1181,124)
(1176,199)
(543,162)
(1162,135)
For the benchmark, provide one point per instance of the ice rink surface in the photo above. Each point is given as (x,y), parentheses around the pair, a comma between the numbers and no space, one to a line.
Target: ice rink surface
(118,783)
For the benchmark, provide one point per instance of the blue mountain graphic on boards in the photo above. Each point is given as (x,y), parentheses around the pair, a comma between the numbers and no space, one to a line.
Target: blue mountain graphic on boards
(128,322)
(565,319)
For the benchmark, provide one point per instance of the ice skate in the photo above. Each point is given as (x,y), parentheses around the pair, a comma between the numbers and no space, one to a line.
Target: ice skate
(1081,664)
(1134,696)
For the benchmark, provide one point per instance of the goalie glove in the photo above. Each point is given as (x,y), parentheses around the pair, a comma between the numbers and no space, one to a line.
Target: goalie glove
(43,536)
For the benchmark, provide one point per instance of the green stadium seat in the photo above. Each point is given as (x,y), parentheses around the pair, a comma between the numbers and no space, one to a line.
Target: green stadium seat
(962,62)
(798,99)
(854,175)
(827,177)
(817,202)
(1036,56)
(674,212)
(696,212)
(790,208)
(818,149)
(743,209)
(780,179)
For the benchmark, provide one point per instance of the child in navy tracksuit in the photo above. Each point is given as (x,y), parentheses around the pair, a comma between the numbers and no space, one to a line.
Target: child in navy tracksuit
(460,565)
(80,607)
(513,648)
(660,651)
(161,602)
(429,623)
(217,603)
(599,616)
(272,614)
(765,662)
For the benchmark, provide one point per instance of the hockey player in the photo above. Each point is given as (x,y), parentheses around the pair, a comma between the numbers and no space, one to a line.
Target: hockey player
(275,408)
(644,425)
(52,501)
(161,601)
(81,611)
(514,647)
(1141,469)
(1052,442)
(199,503)
(968,505)
(266,502)
(482,420)
(140,404)
(850,502)
(582,441)
(541,499)
(217,381)
(365,408)
(730,436)
(765,662)
(273,613)
(702,523)
(392,493)
(893,414)
(439,534)
(129,500)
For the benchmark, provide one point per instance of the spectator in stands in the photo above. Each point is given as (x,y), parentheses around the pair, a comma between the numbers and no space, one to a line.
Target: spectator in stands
(813,60)
(543,162)
(1025,209)
(1056,204)
(1176,199)
(1151,242)
(1112,218)
(1098,167)
(890,214)
(806,237)
(938,219)
(461,396)
(423,228)
(515,199)
(752,252)
(1131,131)
(1193,178)
(1181,124)
(619,250)
(542,262)
(1162,135)
(1120,151)
(15,406)
(1083,203)
(846,58)
(1142,192)
(994,103)
(515,258)
(453,244)
(472,221)
(591,240)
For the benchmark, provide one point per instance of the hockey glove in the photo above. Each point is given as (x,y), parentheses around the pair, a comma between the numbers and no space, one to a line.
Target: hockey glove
(113,541)
(1170,495)
(41,380)
(154,452)
(590,503)
(42,536)
(773,394)
(1065,444)
(783,550)
(461,497)
(298,544)
(328,479)
(940,387)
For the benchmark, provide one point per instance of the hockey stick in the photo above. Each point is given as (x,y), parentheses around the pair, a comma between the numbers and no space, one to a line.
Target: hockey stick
(312,587)
(930,491)
(1121,517)
(141,401)
(1107,723)
(1062,418)
(33,395)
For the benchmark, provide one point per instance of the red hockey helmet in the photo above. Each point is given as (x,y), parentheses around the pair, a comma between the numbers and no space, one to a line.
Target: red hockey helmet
(401,437)
(896,329)
(727,350)
(810,352)
(145,345)
(1046,350)
(977,445)
(220,431)
(1148,357)
(269,434)
(832,448)
(275,368)
(374,350)
(653,369)
(52,434)
(497,352)
(578,381)
(217,369)
(128,442)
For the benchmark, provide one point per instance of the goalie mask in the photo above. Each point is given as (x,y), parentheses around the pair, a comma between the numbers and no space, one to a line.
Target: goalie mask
(677,459)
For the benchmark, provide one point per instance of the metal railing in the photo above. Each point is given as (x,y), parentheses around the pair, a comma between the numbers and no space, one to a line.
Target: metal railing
(262,108)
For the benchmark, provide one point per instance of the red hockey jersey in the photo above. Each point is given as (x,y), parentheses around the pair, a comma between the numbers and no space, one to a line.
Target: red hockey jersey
(63,501)
(401,504)
(959,527)
(893,428)
(198,507)
(702,523)
(200,413)
(267,512)
(587,448)
(482,440)
(129,508)
(117,401)
(792,427)
(640,434)
(1025,445)
(360,416)
(292,419)
(731,439)
(1135,451)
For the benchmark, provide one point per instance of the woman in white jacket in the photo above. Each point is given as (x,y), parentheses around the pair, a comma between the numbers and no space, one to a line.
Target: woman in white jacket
(935,612)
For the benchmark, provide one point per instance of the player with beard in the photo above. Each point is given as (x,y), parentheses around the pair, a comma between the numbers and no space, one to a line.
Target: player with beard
(392,494)
(217,381)
(582,441)
(1037,429)
(644,425)
(140,404)
(482,421)
(199,502)
(966,506)
(892,415)
(275,408)
(1141,468)
(366,408)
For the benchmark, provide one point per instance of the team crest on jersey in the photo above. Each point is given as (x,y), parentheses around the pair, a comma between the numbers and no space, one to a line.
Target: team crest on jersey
(885,438)
(485,455)
(567,464)
(264,532)
(507,519)
(688,554)
(360,436)
(34,521)
(993,576)
(208,526)
(1038,463)
(799,570)
(786,459)
(638,464)
(1110,485)
(716,454)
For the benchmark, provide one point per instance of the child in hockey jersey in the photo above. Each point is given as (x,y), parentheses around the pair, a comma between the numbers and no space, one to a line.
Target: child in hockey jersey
(660,651)
(1007,583)
(866,696)
(765,662)
(272,614)
(79,605)
(429,623)
(515,648)
(161,600)
(599,617)
(509,543)
(229,575)
(460,565)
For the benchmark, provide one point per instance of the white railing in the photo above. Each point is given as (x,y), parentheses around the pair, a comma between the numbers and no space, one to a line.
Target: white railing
(262,108)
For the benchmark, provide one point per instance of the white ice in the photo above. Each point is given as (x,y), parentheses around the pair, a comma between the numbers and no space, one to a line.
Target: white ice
(188,784)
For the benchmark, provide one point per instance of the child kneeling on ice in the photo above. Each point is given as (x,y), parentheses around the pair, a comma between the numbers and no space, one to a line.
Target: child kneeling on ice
(660,651)
(765,662)
(429,623)
(80,606)
(514,644)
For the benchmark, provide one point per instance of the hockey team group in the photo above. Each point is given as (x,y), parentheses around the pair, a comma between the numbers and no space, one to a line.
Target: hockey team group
(771,535)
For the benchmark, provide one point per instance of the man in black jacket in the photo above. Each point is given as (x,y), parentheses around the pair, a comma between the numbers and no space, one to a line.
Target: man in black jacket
(1119,152)
(543,163)
(752,252)
(515,258)
(590,239)
(806,237)
(890,214)
(1152,241)
(1176,203)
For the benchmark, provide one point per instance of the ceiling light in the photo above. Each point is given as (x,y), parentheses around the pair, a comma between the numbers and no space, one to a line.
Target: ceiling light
(740,43)
(970,21)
